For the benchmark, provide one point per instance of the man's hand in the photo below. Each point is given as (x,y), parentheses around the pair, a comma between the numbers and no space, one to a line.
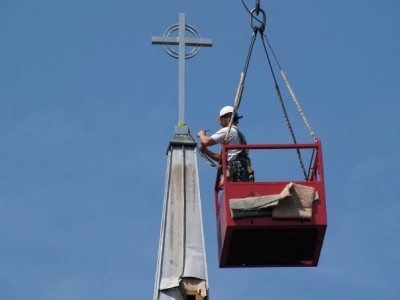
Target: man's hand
(201,132)
(204,139)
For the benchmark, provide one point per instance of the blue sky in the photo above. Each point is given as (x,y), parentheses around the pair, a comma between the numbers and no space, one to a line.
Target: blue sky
(88,106)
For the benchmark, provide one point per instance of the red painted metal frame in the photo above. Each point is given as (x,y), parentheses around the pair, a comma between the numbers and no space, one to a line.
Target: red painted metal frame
(248,242)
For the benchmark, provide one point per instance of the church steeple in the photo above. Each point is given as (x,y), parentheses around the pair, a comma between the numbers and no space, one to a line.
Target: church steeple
(181,266)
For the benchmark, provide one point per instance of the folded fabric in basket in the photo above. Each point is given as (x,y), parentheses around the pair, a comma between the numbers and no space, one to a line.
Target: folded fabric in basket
(298,202)
(253,206)
(295,201)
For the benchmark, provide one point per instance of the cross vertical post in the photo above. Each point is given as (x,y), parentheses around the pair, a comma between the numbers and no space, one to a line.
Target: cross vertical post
(182,68)
(182,41)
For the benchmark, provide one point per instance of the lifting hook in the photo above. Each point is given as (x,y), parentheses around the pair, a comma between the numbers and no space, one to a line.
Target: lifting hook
(254,13)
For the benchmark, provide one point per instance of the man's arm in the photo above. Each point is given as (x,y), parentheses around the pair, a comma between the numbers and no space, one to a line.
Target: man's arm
(205,142)
(204,139)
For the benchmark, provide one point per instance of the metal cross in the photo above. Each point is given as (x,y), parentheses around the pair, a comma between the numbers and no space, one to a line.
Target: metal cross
(182,41)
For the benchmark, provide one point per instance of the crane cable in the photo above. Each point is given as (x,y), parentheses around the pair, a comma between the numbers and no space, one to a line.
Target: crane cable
(285,79)
(243,74)
(254,13)
(279,95)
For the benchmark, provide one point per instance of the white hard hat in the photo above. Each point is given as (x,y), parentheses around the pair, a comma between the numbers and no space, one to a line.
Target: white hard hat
(226,110)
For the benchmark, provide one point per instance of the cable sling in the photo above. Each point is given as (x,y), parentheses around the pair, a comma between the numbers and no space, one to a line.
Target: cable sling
(288,124)
(239,92)
(260,28)
(243,74)
(283,74)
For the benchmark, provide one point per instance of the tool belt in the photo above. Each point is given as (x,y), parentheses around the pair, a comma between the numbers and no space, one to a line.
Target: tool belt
(239,168)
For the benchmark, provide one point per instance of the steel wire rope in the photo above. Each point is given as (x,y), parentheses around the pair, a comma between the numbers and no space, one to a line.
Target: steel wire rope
(286,116)
(243,74)
(261,29)
(285,79)
(239,92)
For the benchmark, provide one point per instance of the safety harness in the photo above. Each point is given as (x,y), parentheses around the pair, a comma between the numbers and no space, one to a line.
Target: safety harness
(244,156)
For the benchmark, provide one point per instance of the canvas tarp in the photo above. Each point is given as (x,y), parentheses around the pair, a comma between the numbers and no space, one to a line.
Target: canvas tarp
(294,201)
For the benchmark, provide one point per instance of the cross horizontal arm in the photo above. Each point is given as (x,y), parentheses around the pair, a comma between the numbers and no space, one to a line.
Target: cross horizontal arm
(175,41)
(198,42)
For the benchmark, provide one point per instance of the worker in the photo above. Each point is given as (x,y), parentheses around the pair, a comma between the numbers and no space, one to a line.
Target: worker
(238,162)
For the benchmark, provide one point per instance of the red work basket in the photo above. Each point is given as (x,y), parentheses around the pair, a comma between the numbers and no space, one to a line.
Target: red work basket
(265,241)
